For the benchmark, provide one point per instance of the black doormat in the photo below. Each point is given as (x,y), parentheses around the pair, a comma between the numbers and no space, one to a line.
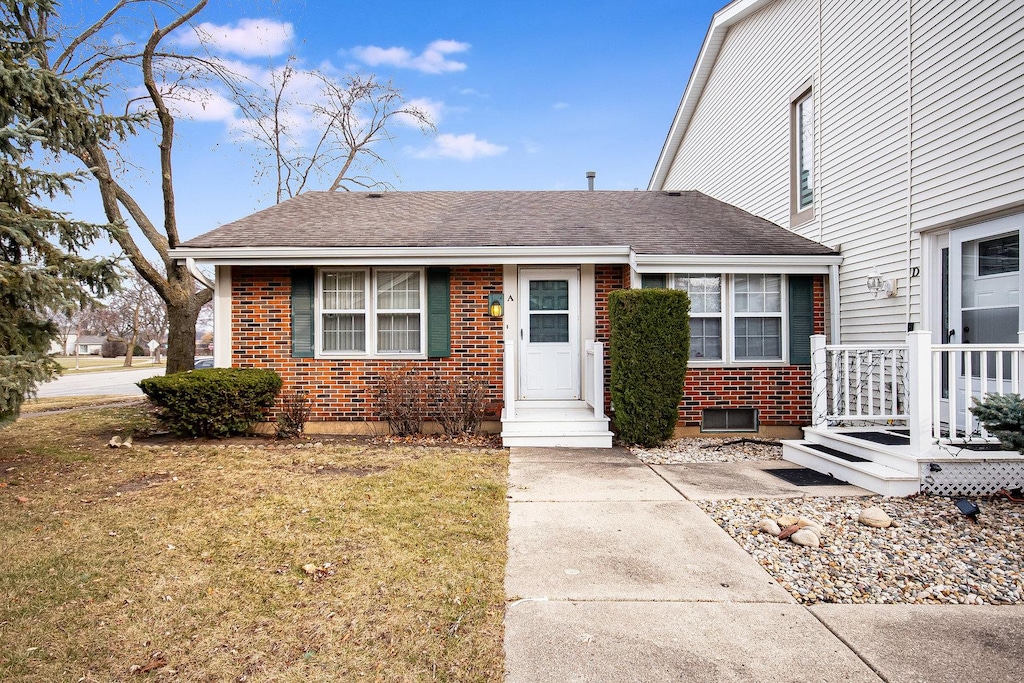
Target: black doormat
(883,438)
(839,454)
(805,477)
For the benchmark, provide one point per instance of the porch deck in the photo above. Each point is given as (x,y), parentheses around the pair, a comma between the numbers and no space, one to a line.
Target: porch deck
(893,420)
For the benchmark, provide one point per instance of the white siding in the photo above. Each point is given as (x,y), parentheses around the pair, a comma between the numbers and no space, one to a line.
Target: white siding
(968,109)
(736,148)
(863,136)
(920,107)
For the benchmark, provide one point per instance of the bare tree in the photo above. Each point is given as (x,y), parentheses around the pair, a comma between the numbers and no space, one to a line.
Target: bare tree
(135,314)
(318,130)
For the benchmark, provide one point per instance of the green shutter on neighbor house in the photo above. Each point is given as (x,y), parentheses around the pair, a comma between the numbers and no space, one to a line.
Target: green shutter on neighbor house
(302,313)
(653,281)
(439,323)
(801,318)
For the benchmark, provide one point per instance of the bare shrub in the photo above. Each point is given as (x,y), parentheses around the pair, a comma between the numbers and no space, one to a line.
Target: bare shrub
(400,401)
(459,404)
(295,411)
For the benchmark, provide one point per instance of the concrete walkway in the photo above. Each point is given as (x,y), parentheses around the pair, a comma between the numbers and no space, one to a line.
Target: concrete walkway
(614,575)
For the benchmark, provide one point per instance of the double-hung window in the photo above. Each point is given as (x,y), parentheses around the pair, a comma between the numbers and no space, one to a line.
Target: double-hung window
(733,318)
(371,312)
(705,292)
(758,317)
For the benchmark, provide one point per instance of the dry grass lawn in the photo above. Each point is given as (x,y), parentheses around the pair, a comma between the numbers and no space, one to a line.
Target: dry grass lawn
(245,561)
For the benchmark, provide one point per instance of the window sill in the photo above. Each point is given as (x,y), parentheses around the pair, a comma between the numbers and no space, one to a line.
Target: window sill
(368,356)
(779,363)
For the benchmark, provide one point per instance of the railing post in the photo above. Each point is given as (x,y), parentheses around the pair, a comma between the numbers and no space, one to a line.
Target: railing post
(509,378)
(598,380)
(819,381)
(919,390)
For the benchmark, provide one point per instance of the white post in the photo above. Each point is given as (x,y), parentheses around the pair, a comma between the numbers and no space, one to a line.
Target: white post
(509,378)
(598,380)
(819,381)
(919,357)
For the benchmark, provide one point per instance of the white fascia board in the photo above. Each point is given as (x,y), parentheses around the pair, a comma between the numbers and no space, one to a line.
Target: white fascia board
(720,23)
(793,265)
(421,256)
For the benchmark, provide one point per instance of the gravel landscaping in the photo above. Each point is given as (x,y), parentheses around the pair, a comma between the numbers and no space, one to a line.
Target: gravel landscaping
(932,554)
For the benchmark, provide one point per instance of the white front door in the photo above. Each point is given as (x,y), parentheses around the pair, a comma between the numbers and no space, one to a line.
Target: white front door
(983,276)
(549,333)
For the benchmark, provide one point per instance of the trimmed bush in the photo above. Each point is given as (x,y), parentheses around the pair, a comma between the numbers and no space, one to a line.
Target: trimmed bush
(649,349)
(1003,417)
(214,402)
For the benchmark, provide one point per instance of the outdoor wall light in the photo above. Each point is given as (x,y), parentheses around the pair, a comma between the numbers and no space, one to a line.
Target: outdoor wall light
(495,305)
(880,287)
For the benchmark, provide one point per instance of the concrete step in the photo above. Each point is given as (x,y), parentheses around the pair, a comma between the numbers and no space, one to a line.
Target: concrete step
(852,468)
(555,425)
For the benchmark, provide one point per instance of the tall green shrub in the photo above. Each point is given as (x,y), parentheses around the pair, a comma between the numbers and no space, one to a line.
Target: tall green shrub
(649,349)
(214,402)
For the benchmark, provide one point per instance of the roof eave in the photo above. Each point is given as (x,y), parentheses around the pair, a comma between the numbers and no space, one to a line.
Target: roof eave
(720,24)
(794,264)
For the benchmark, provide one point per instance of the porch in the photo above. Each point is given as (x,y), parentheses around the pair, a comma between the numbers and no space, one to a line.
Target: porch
(895,418)
(561,423)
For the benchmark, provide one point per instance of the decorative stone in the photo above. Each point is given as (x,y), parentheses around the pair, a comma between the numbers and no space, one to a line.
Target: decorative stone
(875,517)
(806,537)
(115,442)
(787,520)
(805,523)
(769,526)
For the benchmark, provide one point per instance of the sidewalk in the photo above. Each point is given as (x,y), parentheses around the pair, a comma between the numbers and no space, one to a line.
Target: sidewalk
(614,575)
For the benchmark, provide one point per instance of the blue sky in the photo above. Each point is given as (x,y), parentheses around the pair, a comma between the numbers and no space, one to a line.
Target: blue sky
(526,95)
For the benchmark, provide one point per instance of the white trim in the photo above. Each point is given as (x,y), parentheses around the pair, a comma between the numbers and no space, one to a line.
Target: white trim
(573,275)
(379,256)
(789,265)
(222,317)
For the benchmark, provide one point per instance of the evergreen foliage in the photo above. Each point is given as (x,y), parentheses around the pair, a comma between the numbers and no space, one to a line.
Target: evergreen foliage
(216,402)
(649,350)
(41,266)
(1003,417)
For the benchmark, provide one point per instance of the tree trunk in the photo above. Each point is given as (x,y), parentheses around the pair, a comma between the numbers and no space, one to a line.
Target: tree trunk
(181,341)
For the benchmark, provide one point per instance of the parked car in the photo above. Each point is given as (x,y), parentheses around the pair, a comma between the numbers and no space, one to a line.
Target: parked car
(203,363)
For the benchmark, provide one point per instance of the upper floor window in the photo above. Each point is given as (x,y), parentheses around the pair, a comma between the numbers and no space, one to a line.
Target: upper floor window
(802,150)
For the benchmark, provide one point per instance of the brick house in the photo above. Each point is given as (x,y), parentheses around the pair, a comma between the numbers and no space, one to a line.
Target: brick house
(331,289)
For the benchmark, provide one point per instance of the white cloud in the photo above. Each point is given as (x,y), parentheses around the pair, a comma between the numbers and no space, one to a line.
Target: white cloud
(247,38)
(462,147)
(432,108)
(433,60)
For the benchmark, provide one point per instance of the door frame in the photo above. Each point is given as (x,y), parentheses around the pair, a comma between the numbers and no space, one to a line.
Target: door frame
(573,275)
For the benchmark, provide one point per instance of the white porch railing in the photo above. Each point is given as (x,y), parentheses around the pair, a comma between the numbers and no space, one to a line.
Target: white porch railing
(510,378)
(927,387)
(593,377)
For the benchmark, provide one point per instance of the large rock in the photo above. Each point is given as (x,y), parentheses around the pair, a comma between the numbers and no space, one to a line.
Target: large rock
(806,537)
(876,517)
(769,527)
(805,523)
(787,520)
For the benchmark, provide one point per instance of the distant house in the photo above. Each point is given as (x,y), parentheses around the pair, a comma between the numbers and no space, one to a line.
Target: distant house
(332,289)
(894,133)
(85,345)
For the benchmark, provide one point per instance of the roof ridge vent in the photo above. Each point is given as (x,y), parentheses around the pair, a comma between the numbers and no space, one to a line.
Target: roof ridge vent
(674,193)
(374,195)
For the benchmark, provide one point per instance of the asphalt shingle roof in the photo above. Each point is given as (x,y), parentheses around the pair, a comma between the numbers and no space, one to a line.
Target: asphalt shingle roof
(681,223)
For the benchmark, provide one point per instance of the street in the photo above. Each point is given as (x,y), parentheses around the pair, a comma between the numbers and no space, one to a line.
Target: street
(114,383)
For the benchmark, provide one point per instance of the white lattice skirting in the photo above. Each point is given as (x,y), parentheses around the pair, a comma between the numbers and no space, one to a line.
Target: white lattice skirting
(971,478)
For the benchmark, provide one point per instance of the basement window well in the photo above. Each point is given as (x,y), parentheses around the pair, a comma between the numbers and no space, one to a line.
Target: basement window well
(729,420)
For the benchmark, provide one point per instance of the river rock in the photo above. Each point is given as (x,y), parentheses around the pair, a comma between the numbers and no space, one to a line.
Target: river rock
(876,517)
(806,537)
(769,526)
(805,523)
(787,520)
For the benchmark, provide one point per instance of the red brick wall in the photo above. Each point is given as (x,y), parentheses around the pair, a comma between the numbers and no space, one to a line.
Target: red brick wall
(606,279)
(344,389)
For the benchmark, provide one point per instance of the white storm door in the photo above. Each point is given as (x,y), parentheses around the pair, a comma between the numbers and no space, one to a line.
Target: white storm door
(984,298)
(549,334)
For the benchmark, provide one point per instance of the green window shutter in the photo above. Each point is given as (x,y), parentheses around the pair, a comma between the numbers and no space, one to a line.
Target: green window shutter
(302,313)
(653,281)
(801,318)
(439,317)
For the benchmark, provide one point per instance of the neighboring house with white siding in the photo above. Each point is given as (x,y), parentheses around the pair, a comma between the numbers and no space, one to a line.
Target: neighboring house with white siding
(893,132)
(902,120)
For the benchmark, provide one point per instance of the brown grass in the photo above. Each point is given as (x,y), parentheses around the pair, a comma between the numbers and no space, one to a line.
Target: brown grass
(249,560)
